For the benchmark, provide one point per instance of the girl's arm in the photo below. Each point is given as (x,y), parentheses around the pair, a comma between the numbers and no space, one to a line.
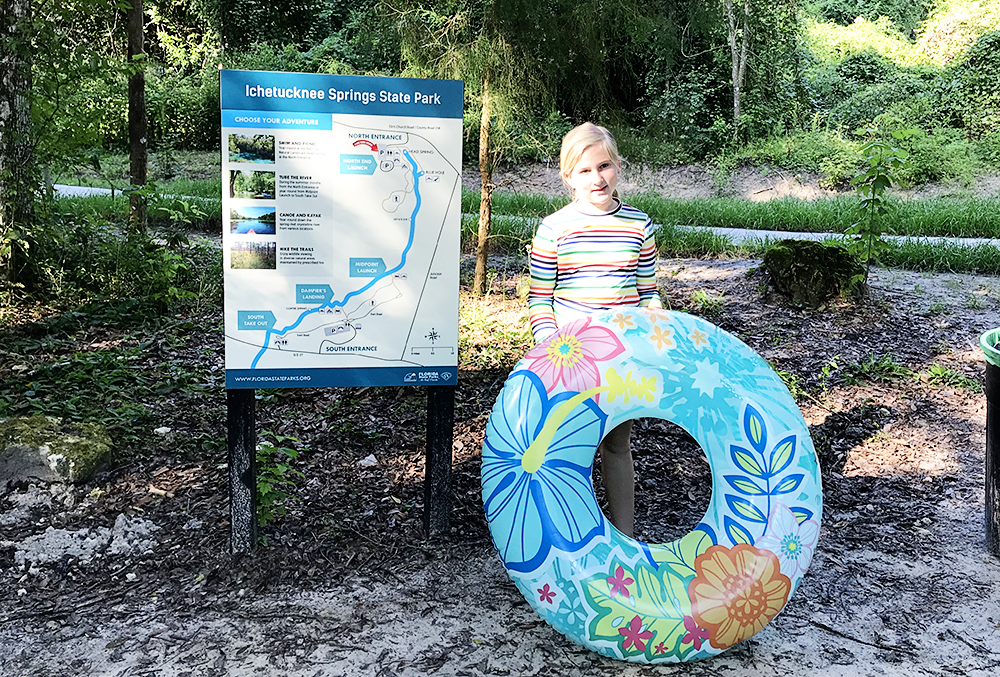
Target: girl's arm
(542,267)
(645,274)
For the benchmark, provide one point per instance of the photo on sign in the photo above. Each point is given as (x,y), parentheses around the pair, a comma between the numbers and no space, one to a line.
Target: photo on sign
(250,255)
(246,184)
(256,148)
(251,220)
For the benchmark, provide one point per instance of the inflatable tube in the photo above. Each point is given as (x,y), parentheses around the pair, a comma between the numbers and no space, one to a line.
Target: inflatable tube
(680,601)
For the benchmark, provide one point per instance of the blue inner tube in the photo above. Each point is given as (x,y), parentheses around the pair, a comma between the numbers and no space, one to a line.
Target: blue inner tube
(695,597)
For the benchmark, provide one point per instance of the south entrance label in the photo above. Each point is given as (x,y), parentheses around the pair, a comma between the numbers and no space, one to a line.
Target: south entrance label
(341,225)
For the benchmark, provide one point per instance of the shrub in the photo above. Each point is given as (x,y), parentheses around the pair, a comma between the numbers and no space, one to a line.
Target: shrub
(905,15)
(867,68)
(977,91)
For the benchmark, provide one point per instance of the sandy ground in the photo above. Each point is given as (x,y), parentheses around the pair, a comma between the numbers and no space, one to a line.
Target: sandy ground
(927,605)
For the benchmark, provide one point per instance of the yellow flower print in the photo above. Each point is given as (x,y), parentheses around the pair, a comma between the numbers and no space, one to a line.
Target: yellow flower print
(662,338)
(619,386)
(564,350)
(655,314)
(645,389)
(699,338)
(623,321)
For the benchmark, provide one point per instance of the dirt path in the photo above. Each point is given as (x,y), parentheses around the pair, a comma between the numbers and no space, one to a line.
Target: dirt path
(900,585)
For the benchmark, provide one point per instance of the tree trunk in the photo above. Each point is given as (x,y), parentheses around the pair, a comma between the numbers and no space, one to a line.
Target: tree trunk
(138,156)
(17,176)
(485,194)
(739,47)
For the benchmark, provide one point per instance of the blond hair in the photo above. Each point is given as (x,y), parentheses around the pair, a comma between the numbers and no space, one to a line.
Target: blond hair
(578,140)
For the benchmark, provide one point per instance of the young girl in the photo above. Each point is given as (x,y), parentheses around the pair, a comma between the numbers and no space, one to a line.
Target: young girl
(596,253)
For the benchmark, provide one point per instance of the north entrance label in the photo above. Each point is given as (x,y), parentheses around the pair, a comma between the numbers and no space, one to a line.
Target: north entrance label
(341,226)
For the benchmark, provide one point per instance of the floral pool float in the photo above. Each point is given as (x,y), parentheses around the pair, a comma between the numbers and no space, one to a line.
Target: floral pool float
(686,600)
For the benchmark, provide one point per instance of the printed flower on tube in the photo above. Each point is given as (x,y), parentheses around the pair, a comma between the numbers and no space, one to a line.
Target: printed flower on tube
(792,542)
(570,356)
(736,592)
(535,499)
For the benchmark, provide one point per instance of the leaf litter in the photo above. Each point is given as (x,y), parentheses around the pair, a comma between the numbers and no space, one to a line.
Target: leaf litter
(349,584)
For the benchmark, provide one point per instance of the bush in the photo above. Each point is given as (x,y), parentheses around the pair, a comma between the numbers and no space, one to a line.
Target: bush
(183,108)
(866,68)
(905,15)
(87,259)
(988,149)
(941,154)
(819,151)
(977,91)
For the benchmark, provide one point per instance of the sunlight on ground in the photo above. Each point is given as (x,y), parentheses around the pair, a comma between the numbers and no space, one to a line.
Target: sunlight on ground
(493,331)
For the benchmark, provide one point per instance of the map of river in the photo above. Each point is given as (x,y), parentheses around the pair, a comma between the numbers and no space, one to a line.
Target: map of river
(358,283)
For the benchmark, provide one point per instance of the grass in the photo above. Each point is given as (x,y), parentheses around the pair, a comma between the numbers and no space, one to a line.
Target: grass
(937,374)
(876,368)
(516,216)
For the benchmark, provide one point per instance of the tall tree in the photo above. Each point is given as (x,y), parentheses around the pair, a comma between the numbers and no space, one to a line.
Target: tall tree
(137,133)
(738,21)
(510,53)
(17,176)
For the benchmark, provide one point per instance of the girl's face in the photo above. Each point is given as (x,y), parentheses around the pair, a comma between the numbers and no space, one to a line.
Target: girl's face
(594,178)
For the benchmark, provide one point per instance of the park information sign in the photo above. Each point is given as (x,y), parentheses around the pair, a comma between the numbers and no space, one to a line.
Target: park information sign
(341,217)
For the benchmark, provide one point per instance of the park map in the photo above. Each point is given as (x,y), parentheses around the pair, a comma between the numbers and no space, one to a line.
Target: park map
(341,249)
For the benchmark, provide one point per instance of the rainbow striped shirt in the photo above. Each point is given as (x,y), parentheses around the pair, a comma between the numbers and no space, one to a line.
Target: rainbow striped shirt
(583,262)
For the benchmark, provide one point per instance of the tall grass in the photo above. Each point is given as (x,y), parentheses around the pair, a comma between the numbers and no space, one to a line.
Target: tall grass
(939,217)
(971,217)
(104,207)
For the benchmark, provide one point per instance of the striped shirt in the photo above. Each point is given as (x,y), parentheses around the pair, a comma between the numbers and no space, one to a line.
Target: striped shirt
(583,262)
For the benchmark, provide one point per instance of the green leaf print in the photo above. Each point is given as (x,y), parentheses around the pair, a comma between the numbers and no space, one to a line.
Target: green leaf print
(681,554)
(657,597)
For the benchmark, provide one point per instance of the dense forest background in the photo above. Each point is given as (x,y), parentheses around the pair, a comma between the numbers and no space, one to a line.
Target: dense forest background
(796,84)
(660,73)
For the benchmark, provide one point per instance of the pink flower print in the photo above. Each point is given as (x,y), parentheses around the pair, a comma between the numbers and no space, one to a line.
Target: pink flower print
(634,636)
(619,581)
(546,594)
(660,648)
(695,635)
(570,356)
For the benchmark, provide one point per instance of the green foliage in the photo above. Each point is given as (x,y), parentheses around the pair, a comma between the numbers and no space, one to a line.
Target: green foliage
(977,93)
(875,368)
(830,43)
(871,184)
(276,478)
(707,305)
(937,374)
(825,374)
(821,151)
(79,74)
(794,384)
(183,106)
(953,25)
(905,15)
(91,259)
